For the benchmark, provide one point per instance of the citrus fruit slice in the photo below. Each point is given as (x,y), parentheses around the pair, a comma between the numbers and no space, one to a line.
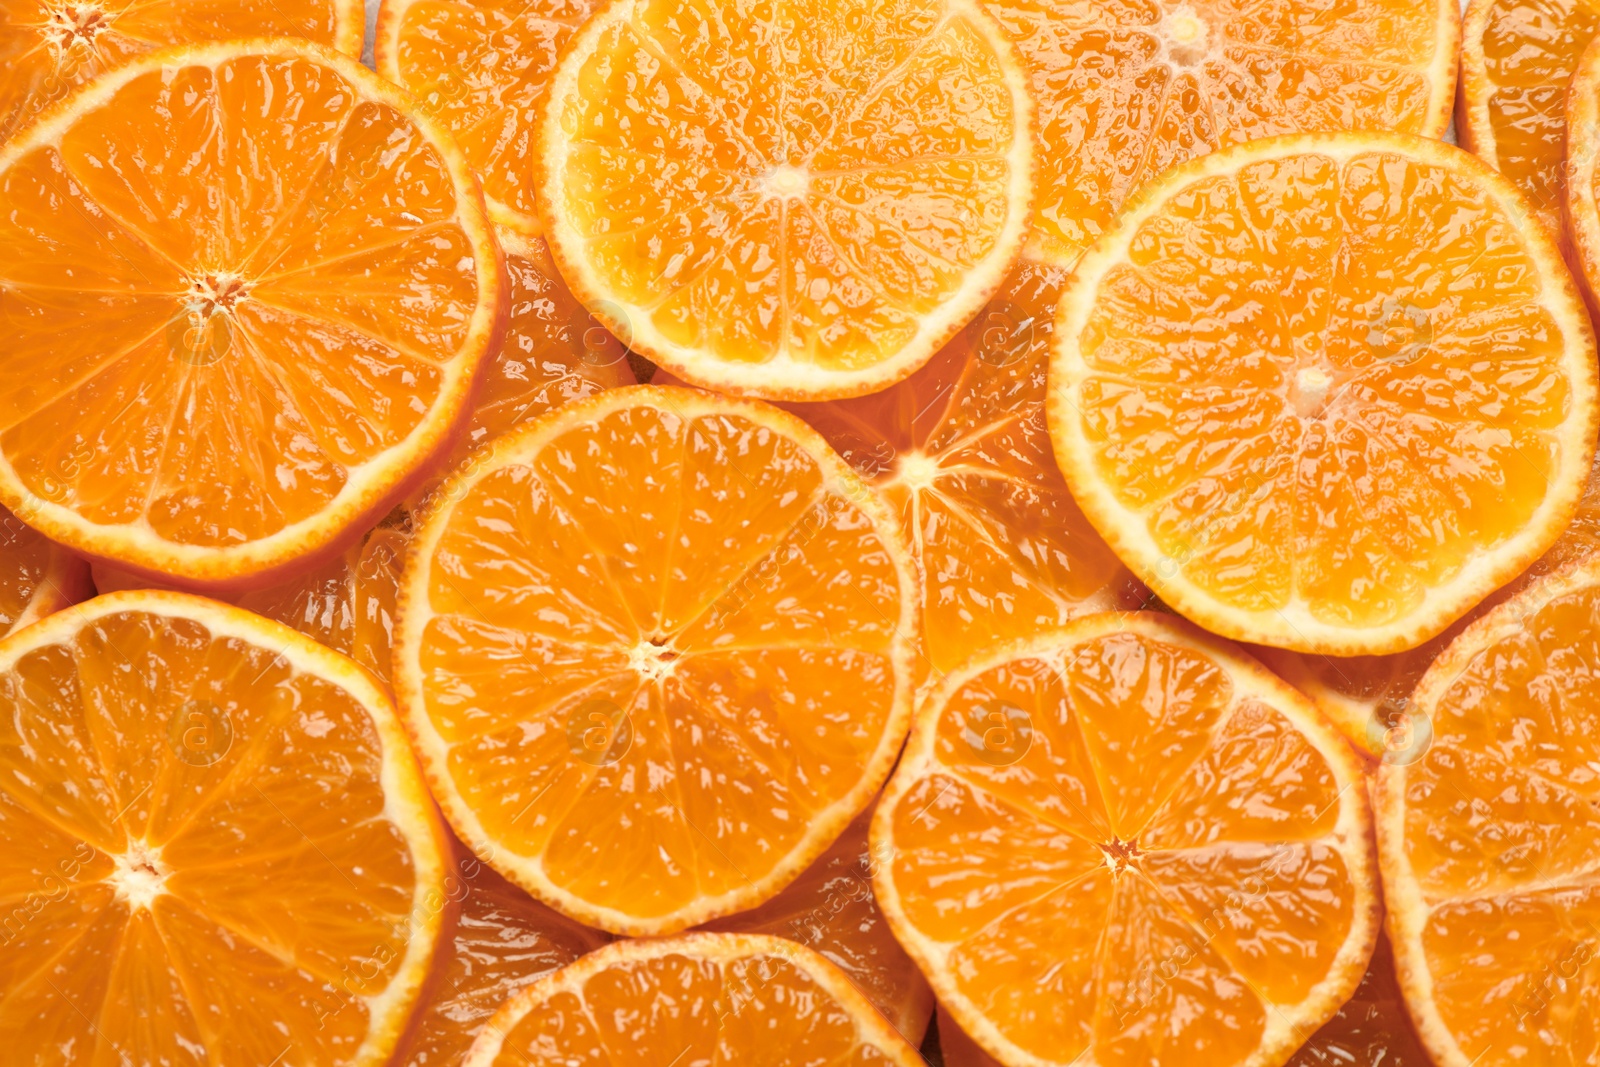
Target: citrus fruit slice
(1490,842)
(655,651)
(37,576)
(1122,842)
(219,845)
(699,998)
(1517,57)
(219,369)
(502,939)
(831,910)
(1126,91)
(789,201)
(1582,173)
(960,451)
(1268,401)
(52,47)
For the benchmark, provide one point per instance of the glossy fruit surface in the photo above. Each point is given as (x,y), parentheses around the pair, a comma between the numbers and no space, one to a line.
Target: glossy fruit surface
(37,577)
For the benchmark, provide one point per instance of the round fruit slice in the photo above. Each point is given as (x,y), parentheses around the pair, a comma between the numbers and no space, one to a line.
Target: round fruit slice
(1270,403)
(700,998)
(1490,843)
(831,910)
(51,47)
(502,940)
(1122,842)
(1126,91)
(960,451)
(656,653)
(1517,57)
(218,843)
(799,202)
(246,293)
(37,576)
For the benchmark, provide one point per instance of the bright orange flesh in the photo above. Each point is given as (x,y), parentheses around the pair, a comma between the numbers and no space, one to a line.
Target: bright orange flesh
(1123,843)
(48,48)
(703,998)
(831,910)
(1269,403)
(215,369)
(960,451)
(656,651)
(1490,843)
(1517,57)
(1127,89)
(219,845)
(36,576)
(796,200)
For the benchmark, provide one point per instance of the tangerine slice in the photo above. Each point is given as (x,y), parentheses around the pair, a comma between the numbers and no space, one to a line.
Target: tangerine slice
(1121,842)
(1126,90)
(1268,401)
(219,844)
(799,201)
(52,47)
(699,998)
(37,576)
(655,649)
(1517,58)
(246,293)
(1490,843)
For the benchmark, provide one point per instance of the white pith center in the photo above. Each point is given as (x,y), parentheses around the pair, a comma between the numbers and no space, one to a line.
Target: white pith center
(139,876)
(653,659)
(1311,385)
(1186,34)
(786,182)
(917,470)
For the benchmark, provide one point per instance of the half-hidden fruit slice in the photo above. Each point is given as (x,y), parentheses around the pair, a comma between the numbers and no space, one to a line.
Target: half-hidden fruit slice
(52,47)
(1268,401)
(219,846)
(960,451)
(37,576)
(1370,1029)
(795,201)
(1123,842)
(502,939)
(700,998)
(1582,185)
(655,650)
(1517,58)
(831,910)
(1125,91)
(553,351)
(1490,843)
(246,290)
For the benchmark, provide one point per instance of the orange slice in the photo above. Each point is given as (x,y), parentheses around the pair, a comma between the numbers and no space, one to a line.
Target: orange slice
(52,47)
(502,940)
(1268,401)
(1127,90)
(830,909)
(1582,175)
(1517,57)
(656,653)
(700,998)
(795,202)
(1122,842)
(219,845)
(37,577)
(961,453)
(220,369)
(1490,843)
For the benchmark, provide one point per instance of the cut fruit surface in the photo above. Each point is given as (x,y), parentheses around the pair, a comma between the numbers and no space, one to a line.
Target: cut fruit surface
(1122,842)
(502,939)
(830,909)
(656,652)
(217,370)
(220,846)
(960,451)
(796,200)
(483,70)
(1517,58)
(1582,174)
(1126,90)
(52,47)
(1267,399)
(1490,843)
(701,998)
(37,576)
